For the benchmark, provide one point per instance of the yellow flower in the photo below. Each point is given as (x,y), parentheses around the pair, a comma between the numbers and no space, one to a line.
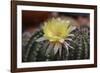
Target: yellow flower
(57,29)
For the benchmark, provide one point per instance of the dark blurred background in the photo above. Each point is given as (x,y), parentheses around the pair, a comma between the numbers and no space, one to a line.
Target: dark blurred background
(33,19)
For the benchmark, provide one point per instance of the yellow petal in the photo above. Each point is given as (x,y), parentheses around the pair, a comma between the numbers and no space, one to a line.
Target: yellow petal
(56,29)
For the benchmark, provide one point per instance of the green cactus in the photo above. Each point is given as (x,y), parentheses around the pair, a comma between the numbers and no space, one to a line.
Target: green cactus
(77,47)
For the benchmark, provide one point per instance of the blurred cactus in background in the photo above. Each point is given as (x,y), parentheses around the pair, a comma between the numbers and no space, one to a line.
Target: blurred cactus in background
(58,39)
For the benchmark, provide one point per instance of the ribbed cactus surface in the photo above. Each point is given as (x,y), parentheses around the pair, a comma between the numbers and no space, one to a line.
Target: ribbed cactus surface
(78,47)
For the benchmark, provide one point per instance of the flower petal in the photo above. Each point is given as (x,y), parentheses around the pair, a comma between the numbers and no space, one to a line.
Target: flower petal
(66,46)
(49,48)
(56,48)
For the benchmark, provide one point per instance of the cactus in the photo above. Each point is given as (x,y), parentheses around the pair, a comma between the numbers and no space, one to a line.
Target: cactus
(73,45)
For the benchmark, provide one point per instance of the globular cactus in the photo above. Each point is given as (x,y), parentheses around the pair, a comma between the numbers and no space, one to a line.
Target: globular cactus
(57,40)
